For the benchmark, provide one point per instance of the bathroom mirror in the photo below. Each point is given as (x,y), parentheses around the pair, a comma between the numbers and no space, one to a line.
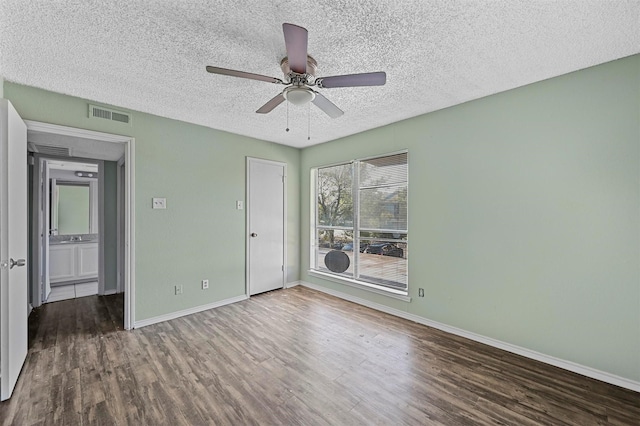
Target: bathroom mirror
(72,208)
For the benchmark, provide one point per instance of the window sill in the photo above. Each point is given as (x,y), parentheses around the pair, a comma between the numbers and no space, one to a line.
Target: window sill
(362,286)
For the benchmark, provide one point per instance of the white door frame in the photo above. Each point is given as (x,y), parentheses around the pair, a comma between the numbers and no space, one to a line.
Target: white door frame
(101,218)
(41,228)
(129,231)
(120,193)
(248,221)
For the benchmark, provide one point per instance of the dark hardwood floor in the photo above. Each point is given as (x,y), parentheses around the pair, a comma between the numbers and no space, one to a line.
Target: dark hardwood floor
(292,356)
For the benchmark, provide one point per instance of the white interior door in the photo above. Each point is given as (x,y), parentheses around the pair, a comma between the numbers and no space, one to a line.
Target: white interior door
(13,247)
(266,219)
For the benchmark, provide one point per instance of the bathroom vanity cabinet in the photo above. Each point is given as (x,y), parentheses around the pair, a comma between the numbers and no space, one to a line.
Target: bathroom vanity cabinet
(73,262)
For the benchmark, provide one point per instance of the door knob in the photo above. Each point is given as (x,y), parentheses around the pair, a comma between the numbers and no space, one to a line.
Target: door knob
(253,234)
(19,262)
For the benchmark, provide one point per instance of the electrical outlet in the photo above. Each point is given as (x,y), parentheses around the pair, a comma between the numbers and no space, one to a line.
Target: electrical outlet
(179,289)
(421,292)
(205,284)
(159,203)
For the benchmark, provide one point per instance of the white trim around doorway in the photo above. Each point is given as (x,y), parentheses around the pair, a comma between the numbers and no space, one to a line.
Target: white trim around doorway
(129,243)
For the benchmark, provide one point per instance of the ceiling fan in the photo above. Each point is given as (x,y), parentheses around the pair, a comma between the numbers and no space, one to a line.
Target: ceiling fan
(300,76)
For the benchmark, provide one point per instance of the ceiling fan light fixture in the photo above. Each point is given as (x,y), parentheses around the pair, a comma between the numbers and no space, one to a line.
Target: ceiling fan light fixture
(299,95)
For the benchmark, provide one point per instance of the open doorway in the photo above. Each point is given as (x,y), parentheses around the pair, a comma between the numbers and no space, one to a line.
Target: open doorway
(81,246)
(70,203)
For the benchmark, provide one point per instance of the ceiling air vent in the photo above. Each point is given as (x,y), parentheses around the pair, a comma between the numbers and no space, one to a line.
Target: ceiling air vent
(49,150)
(109,114)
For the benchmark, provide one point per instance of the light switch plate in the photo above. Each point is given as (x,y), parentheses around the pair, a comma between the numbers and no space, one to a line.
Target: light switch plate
(239,205)
(159,203)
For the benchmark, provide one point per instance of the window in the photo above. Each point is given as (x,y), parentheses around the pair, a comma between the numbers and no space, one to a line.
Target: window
(360,228)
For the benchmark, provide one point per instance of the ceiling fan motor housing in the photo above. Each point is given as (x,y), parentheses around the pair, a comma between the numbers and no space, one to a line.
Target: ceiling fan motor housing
(312,66)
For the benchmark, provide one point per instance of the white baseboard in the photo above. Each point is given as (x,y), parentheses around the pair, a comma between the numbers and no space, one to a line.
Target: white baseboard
(528,353)
(292,284)
(110,292)
(178,314)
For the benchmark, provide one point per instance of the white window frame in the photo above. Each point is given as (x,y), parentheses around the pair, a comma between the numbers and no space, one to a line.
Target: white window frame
(352,282)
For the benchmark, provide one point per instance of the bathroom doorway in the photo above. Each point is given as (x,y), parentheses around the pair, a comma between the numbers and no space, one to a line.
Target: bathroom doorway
(74,205)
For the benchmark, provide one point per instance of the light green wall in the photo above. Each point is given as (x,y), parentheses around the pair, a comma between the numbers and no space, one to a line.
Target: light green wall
(201,172)
(523,215)
(73,209)
(110,225)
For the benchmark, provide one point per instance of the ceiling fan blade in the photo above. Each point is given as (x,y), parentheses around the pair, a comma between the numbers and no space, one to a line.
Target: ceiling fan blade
(269,106)
(327,106)
(295,38)
(242,74)
(354,80)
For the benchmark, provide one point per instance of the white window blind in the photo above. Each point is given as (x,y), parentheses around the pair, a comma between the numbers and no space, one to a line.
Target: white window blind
(361,226)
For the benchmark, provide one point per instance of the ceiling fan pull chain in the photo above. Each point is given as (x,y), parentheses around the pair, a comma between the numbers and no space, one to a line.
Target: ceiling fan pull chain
(287,116)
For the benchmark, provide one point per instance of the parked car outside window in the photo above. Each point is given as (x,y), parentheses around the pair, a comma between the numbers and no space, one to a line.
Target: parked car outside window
(385,249)
(349,247)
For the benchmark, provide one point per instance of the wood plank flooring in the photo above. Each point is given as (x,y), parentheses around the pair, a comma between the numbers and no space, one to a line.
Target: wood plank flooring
(295,357)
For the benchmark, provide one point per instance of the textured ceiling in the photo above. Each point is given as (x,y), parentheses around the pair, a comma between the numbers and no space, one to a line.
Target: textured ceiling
(150,56)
